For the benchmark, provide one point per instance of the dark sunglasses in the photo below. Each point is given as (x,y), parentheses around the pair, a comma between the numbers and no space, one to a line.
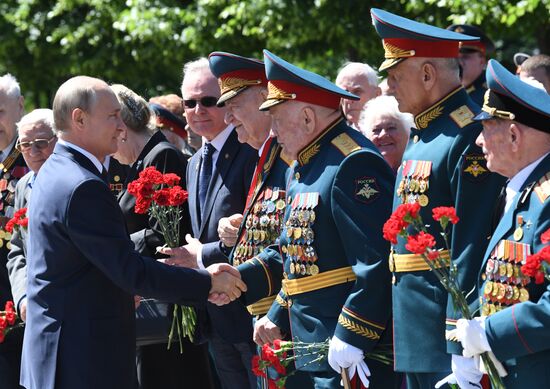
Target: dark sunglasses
(39,144)
(207,101)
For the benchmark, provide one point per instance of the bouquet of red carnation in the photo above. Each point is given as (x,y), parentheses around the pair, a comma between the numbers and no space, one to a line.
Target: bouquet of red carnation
(19,220)
(280,356)
(8,320)
(160,195)
(423,243)
(535,264)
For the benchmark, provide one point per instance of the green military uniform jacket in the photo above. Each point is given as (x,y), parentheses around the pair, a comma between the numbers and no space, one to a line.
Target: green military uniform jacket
(336,280)
(441,166)
(519,310)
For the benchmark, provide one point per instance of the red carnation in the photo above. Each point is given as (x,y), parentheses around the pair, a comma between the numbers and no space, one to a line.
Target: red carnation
(9,225)
(256,367)
(545,237)
(433,255)
(445,215)
(407,211)
(418,244)
(177,196)
(142,205)
(162,197)
(151,175)
(24,222)
(171,179)
(533,268)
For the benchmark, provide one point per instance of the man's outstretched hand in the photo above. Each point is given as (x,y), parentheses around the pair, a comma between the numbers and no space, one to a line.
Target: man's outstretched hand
(226,284)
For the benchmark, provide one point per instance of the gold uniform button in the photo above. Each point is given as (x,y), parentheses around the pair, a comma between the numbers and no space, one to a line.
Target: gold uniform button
(297,176)
(415,139)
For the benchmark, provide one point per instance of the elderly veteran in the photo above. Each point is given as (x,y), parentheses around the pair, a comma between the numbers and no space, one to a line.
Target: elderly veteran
(387,127)
(472,57)
(243,86)
(336,282)
(361,80)
(515,310)
(36,142)
(442,166)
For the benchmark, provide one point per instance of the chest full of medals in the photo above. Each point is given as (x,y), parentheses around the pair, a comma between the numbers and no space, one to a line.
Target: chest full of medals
(262,224)
(299,250)
(505,284)
(415,182)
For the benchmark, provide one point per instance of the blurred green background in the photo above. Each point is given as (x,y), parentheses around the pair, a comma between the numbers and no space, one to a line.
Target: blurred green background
(144,43)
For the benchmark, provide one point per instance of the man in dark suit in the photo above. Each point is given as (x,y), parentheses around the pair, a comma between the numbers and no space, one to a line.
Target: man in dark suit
(12,168)
(82,268)
(36,142)
(218,179)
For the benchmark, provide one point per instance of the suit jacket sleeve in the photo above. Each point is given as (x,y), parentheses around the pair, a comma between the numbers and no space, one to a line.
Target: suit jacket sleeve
(99,233)
(359,220)
(216,252)
(148,239)
(17,262)
(523,328)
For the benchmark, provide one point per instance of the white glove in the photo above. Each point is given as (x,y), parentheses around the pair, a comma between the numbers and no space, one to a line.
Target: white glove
(344,355)
(471,333)
(465,373)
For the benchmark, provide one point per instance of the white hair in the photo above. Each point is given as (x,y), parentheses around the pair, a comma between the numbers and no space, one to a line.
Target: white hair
(384,105)
(359,68)
(196,66)
(40,115)
(10,86)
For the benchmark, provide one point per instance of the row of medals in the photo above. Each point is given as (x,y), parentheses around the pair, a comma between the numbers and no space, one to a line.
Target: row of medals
(7,190)
(263,225)
(413,190)
(299,250)
(505,283)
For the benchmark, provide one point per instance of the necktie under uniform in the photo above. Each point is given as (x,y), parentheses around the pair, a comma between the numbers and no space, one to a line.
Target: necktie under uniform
(205,174)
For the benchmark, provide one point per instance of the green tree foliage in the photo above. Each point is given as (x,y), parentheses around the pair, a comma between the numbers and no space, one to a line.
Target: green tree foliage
(144,43)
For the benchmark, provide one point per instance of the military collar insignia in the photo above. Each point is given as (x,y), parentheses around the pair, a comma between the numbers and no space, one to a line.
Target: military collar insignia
(272,154)
(423,119)
(314,147)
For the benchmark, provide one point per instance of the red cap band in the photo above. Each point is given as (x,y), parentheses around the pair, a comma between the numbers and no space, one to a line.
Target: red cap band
(290,91)
(170,125)
(421,48)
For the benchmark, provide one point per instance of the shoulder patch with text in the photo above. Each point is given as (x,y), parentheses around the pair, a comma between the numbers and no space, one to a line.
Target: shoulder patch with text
(474,167)
(366,189)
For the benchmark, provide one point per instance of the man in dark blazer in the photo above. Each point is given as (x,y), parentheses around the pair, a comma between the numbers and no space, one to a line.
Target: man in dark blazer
(82,268)
(36,142)
(224,195)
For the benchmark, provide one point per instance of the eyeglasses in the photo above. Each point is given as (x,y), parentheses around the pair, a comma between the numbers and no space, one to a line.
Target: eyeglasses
(39,144)
(206,101)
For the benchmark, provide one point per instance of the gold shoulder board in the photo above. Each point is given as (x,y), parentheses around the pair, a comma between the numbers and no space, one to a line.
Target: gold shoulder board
(345,144)
(462,116)
(542,188)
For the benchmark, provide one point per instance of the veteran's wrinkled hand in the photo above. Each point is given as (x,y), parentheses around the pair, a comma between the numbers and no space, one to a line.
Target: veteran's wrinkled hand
(226,280)
(228,228)
(265,331)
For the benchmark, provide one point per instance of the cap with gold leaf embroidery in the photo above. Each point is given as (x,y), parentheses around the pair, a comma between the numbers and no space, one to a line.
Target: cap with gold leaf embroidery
(289,82)
(510,98)
(404,38)
(235,73)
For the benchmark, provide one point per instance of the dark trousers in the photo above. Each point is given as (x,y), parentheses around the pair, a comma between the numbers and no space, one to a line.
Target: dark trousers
(10,359)
(424,380)
(233,363)
(159,368)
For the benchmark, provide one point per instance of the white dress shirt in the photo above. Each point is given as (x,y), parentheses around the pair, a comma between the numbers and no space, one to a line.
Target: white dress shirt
(516,182)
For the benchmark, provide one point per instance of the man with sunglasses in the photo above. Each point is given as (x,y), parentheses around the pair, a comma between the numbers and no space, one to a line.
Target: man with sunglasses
(218,180)
(12,168)
(36,142)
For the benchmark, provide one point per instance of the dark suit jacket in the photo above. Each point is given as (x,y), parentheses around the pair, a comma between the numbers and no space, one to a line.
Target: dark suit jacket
(82,274)
(145,234)
(226,196)
(17,257)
